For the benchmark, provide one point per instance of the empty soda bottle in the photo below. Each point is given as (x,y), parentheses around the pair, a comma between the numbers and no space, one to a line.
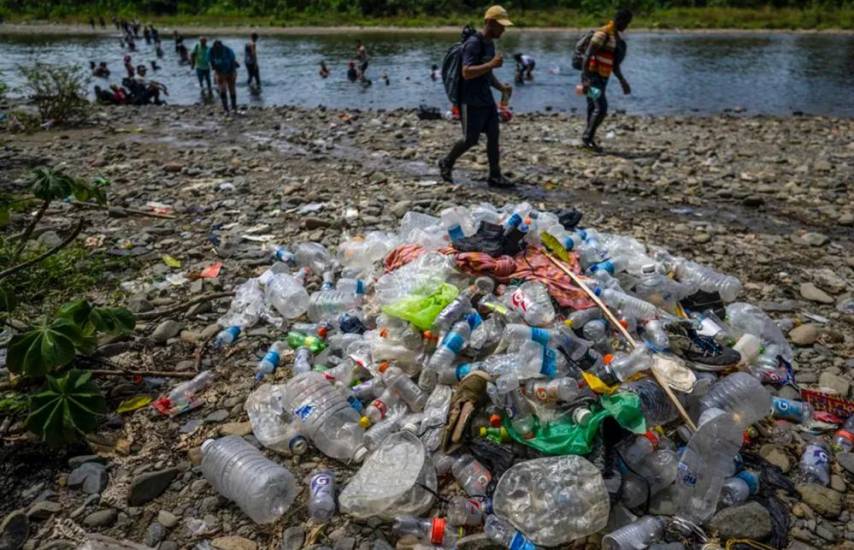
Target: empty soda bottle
(261,488)
(551,391)
(321,498)
(299,340)
(532,300)
(843,439)
(815,463)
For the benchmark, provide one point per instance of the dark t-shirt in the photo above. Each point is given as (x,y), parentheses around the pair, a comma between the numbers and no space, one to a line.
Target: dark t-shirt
(476,92)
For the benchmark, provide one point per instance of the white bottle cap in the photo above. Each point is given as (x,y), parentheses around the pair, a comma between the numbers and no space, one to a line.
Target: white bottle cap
(360,453)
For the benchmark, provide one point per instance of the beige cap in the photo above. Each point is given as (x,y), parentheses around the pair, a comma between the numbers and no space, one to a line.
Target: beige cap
(499,14)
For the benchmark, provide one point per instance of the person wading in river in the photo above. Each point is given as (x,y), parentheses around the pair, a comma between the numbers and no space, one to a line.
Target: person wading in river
(604,56)
(225,66)
(478,111)
(200,60)
(250,57)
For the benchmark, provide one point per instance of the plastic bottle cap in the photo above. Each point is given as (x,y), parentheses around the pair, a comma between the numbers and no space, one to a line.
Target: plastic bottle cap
(322,332)
(568,323)
(607,358)
(360,453)
(365,422)
(482,431)
(382,367)
(652,437)
(437,533)
(624,323)
(495,420)
(384,332)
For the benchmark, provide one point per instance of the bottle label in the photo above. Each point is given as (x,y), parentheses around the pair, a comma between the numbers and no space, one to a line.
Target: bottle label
(355,403)
(272,357)
(304,412)
(455,232)
(686,476)
(815,455)
(784,408)
(751,479)
(545,392)
(540,336)
(380,406)
(234,331)
(320,483)
(549,368)
(519,301)
(454,342)
(520,542)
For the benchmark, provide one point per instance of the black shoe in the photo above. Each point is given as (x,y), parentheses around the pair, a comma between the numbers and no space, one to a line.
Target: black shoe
(592,145)
(697,348)
(445,171)
(499,181)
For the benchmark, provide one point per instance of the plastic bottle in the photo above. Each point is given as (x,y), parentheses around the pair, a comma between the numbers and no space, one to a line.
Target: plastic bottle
(629,306)
(226,337)
(272,426)
(577,319)
(298,340)
(637,535)
(185,396)
(314,256)
(451,345)
(471,475)
(503,533)
(532,300)
(302,360)
(463,511)
(521,416)
(843,439)
(815,463)
(321,497)
(741,394)
(324,415)
(261,488)
(748,319)
(638,448)
(351,286)
(329,304)
(597,333)
(655,405)
(551,391)
(375,435)
(369,389)
(734,491)
(458,222)
(379,408)
(706,461)
(708,280)
(270,361)
(797,411)
(625,366)
(435,531)
(655,335)
(397,381)
(452,312)
(287,294)
(282,254)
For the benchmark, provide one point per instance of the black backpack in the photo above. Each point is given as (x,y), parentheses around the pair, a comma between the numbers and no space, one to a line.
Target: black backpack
(452,67)
(581,49)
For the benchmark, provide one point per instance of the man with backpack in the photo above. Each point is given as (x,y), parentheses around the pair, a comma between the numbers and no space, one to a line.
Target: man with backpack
(602,56)
(468,78)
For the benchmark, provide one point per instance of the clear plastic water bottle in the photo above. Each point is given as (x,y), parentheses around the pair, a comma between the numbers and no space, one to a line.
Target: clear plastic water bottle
(314,256)
(786,409)
(520,413)
(655,335)
(551,391)
(287,294)
(452,312)
(706,461)
(471,475)
(637,449)
(598,333)
(815,463)
(577,319)
(625,366)
(708,280)
(451,345)
(379,408)
(270,361)
(323,415)
(226,337)
(369,389)
(533,301)
(302,360)
(375,435)
(186,396)
(741,394)
(655,405)
(351,286)
(434,531)
(397,381)
(321,497)
(503,533)
(629,306)
(282,254)
(464,511)
(272,426)
(261,488)
(637,535)
(329,304)
(843,439)
(734,491)
(458,222)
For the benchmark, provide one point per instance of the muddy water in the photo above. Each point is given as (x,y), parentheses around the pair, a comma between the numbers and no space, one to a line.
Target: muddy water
(670,73)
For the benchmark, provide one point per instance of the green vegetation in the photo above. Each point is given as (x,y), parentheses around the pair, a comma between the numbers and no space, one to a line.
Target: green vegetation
(59,92)
(46,351)
(701,14)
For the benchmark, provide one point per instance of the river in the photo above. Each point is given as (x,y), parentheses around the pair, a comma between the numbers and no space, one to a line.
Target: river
(671,73)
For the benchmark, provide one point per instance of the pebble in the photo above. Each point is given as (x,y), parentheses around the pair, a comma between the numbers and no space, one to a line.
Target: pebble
(90,476)
(166,330)
(154,534)
(815,239)
(823,500)
(846,460)
(167,519)
(835,382)
(804,335)
(292,538)
(775,456)
(148,486)
(236,428)
(76,461)
(750,521)
(101,518)
(814,294)
(217,416)
(233,543)
(345,543)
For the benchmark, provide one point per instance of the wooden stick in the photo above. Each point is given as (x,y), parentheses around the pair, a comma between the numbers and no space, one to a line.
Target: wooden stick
(130,211)
(166,374)
(148,315)
(40,257)
(616,323)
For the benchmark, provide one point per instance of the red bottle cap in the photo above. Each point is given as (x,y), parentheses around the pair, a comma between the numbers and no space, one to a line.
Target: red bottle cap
(495,420)
(437,533)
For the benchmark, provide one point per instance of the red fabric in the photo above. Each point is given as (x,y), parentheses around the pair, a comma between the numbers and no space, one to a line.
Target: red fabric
(529,265)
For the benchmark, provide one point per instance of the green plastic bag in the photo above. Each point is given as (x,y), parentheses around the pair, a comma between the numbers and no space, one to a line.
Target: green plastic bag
(563,437)
(421,310)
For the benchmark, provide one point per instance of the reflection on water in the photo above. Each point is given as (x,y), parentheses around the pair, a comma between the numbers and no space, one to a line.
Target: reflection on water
(670,73)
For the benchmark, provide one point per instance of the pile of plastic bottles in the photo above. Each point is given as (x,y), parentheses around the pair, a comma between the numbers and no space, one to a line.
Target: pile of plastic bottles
(429,359)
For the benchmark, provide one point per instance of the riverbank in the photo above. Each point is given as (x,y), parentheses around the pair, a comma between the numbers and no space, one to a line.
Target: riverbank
(698,19)
(765,199)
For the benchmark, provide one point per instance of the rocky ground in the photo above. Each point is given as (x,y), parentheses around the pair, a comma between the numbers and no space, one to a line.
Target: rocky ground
(769,200)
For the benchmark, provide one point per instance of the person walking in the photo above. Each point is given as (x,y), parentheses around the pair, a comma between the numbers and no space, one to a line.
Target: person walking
(200,60)
(604,56)
(478,112)
(224,65)
(250,57)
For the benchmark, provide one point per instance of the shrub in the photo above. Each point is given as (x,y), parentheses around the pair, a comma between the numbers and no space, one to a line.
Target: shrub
(59,92)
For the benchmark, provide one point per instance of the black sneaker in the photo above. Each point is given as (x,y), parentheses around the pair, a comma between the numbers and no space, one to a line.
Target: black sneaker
(445,171)
(697,348)
(500,182)
(592,145)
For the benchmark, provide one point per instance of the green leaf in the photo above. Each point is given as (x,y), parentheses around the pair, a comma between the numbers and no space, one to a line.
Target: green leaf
(112,320)
(44,348)
(8,301)
(68,407)
(48,184)
(77,312)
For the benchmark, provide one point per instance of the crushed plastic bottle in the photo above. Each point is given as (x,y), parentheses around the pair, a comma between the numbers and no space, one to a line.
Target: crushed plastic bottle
(321,496)
(261,488)
(637,535)
(271,424)
(186,396)
(287,294)
(815,463)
